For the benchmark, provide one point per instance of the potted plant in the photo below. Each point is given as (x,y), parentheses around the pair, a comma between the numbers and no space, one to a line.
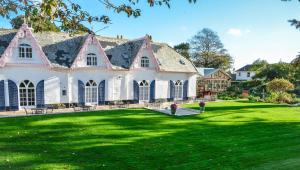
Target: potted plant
(173,108)
(202,106)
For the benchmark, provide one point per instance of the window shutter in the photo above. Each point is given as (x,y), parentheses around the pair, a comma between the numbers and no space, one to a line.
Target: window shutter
(135,91)
(101,93)
(172,90)
(40,95)
(152,91)
(81,92)
(13,95)
(185,90)
(2,96)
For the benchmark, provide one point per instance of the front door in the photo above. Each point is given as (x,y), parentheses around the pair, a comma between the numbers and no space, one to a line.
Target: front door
(117,88)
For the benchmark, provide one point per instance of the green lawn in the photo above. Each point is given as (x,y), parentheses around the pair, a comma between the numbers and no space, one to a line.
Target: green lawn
(230,135)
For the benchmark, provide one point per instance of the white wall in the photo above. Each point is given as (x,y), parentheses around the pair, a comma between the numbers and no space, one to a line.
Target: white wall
(56,81)
(15,59)
(242,75)
(53,80)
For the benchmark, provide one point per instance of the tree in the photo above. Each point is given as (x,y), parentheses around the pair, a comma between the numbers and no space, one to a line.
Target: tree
(296,61)
(68,13)
(294,22)
(183,49)
(17,22)
(258,65)
(296,64)
(278,70)
(208,50)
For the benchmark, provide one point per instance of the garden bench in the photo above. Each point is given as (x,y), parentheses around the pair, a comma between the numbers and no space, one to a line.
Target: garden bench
(27,111)
(77,109)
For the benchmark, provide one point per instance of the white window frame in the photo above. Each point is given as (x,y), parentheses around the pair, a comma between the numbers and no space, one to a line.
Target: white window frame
(144,91)
(248,74)
(178,90)
(91,92)
(91,59)
(145,62)
(27,94)
(25,51)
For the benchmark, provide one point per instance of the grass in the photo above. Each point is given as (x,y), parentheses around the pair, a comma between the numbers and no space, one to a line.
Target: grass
(230,135)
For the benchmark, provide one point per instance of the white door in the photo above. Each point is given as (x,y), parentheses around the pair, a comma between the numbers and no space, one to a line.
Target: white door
(117,88)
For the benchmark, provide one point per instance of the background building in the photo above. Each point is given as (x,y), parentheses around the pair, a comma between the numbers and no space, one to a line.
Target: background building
(211,82)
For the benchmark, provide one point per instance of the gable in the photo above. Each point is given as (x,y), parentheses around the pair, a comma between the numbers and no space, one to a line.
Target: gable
(93,48)
(146,52)
(220,74)
(25,37)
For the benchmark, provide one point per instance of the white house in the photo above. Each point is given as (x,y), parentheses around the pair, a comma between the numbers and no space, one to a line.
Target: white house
(38,69)
(244,73)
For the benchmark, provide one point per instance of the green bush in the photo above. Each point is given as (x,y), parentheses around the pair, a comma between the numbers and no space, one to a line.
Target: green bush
(279,86)
(254,99)
(227,95)
(280,97)
(232,93)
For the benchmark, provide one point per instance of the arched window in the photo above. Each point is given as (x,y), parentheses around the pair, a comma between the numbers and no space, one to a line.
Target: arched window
(144,61)
(144,90)
(178,90)
(91,92)
(25,51)
(91,59)
(27,93)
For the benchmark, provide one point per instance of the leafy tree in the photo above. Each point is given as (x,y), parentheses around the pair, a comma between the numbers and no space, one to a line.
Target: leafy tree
(17,22)
(258,65)
(70,14)
(279,86)
(208,50)
(296,64)
(296,61)
(278,70)
(294,22)
(183,49)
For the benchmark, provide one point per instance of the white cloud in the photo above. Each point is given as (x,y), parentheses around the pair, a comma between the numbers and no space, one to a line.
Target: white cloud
(238,32)
(235,32)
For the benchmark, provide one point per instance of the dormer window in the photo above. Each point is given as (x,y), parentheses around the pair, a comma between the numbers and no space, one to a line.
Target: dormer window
(144,61)
(25,51)
(91,59)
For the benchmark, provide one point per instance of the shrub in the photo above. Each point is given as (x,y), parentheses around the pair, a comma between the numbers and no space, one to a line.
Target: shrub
(280,97)
(227,96)
(254,99)
(173,108)
(202,104)
(279,86)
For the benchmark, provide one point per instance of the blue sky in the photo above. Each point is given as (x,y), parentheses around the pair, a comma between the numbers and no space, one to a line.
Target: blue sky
(249,29)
